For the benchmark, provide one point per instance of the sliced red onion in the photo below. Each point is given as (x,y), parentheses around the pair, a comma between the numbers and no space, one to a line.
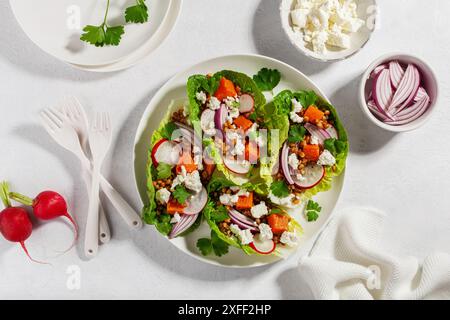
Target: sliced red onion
(221,117)
(421,109)
(382,90)
(406,90)
(374,109)
(377,70)
(332,132)
(246,103)
(420,94)
(320,134)
(186,221)
(188,133)
(242,217)
(396,73)
(285,163)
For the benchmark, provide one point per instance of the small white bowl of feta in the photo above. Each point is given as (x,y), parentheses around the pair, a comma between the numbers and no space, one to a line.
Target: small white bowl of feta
(328,30)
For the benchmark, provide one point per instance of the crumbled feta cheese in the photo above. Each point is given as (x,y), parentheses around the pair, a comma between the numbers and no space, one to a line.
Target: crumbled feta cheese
(198,161)
(243,193)
(259,210)
(179,179)
(176,218)
(265,232)
(214,103)
(314,140)
(285,202)
(326,159)
(192,181)
(237,141)
(295,117)
(289,238)
(207,122)
(232,102)
(201,97)
(235,188)
(326,22)
(233,113)
(228,199)
(163,195)
(293,161)
(296,106)
(239,148)
(235,229)
(245,236)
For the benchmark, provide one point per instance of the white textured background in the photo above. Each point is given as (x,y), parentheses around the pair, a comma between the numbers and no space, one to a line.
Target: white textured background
(407,175)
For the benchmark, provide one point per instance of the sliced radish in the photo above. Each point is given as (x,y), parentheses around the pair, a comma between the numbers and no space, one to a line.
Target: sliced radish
(196,203)
(406,90)
(396,73)
(237,166)
(262,246)
(246,103)
(221,117)
(284,160)
(382,90)
(186,221)
(314,173)
(165,151)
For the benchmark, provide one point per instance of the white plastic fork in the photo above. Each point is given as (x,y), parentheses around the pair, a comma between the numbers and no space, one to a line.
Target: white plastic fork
(99,140)
(76,116)
(64,134)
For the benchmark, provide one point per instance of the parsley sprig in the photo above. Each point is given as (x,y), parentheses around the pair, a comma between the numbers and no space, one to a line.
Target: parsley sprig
(105,34)
(215,244)
(181,194)
(312,210)
(267,79)
(279,189)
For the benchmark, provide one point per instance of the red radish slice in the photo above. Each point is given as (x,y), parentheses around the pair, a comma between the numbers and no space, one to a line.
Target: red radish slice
(332,132)
(314,173)
(242,218)
(185,223)
(377,71)
(221,117)
(285,163)
(263,246)
(196,203)
(246,103)
(382,90)
(406,90)
(237,166)
(165,151)
(396,72)
(420,94)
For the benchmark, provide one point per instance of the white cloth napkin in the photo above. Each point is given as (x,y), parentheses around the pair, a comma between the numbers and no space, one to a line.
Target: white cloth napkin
(348,262)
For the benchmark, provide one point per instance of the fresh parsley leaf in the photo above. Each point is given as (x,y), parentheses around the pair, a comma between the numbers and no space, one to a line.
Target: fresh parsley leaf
(168,130)
(163,171)
(253,116)
(137,13)
(205,246)
(220,214)
(220,247)
(113,35)
(312,210)
(296,133)
(267,79)
(181,194)
(335,146)
(215,244)
(94,35)
(279,189)
(306,98)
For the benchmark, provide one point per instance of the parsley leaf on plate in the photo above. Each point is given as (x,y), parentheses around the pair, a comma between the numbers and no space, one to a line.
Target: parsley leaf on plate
(215,244)
(267,79)
(102,35)
(181,194)
(312,210)
(279,189)
(137,13)
(163,171)
(296,133)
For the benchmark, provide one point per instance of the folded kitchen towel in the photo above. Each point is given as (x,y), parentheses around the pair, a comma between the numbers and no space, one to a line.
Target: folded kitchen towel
(347,261)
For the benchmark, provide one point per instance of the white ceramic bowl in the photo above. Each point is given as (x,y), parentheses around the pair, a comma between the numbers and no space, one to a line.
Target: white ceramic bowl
(367,10)
(429,82)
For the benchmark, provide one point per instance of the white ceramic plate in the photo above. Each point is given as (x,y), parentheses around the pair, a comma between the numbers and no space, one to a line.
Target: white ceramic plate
(367,10)
(49,24)
(175,89)
(167,25)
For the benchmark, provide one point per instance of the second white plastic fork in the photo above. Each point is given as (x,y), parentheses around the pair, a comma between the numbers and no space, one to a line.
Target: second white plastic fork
(99,140)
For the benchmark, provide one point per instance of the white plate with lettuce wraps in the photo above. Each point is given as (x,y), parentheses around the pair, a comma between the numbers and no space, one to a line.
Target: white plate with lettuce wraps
(239,160)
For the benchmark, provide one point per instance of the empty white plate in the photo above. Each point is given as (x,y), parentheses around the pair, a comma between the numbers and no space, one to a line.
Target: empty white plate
(53,26)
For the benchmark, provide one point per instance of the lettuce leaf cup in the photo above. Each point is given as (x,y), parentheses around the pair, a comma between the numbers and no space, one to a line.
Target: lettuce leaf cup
(314,146)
